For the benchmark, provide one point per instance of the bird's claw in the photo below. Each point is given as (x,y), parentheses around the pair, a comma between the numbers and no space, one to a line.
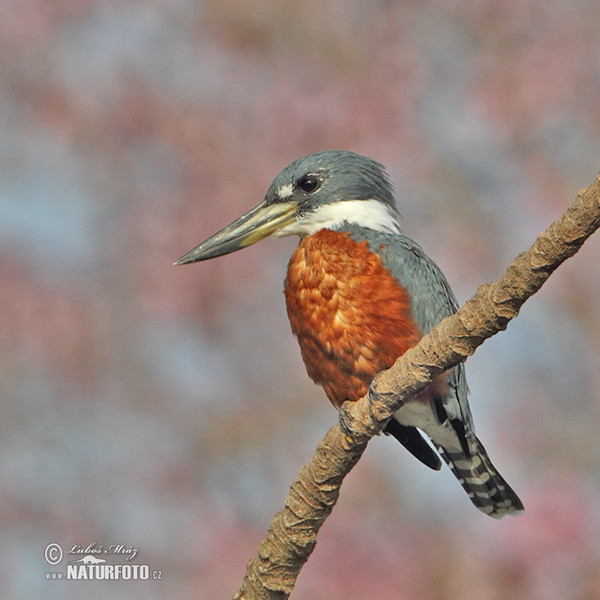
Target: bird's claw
(346,420)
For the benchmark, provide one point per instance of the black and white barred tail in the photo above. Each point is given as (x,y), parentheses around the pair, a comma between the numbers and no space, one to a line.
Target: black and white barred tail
(486,488)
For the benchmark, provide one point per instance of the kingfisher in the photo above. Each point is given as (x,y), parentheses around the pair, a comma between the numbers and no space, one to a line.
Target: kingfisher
(359,293)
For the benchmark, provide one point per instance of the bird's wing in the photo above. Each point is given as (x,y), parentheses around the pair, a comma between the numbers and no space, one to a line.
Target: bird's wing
(432,300)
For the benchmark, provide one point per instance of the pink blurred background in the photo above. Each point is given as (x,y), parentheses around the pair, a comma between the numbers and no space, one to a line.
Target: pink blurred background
(168,408)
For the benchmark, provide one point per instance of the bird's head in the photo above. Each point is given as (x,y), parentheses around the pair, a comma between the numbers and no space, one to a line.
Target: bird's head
(327,190)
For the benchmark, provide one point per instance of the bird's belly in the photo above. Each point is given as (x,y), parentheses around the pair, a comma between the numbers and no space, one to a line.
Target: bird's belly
(352,318)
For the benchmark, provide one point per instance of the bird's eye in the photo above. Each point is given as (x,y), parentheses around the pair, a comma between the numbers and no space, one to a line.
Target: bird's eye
(309,184)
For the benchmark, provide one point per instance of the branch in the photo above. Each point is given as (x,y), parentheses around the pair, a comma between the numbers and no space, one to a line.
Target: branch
(271,574)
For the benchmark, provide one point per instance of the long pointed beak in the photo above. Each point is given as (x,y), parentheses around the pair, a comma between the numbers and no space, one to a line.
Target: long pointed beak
(257,224)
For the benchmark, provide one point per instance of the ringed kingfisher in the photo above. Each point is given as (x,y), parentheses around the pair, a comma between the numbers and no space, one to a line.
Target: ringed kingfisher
(359,293)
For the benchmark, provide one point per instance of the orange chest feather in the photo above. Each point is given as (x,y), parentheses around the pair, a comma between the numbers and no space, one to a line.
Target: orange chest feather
(351,316)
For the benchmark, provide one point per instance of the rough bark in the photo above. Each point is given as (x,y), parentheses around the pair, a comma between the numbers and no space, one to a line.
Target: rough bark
(272,573)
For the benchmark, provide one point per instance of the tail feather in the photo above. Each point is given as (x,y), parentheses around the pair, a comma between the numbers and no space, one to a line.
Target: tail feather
(413,441)
(486,488)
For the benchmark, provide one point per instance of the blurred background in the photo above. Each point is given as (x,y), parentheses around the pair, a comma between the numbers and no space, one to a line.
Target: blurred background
(168,408)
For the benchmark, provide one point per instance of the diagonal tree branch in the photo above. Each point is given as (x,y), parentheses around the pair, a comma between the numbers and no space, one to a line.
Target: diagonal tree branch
(272,573)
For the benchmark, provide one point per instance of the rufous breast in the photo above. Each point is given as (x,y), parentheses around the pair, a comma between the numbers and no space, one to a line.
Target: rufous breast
(352,318)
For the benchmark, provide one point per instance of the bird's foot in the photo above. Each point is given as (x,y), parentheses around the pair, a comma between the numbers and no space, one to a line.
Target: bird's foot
(347,420)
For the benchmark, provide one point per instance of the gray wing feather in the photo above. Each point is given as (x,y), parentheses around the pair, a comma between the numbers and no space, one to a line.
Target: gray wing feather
(432,300)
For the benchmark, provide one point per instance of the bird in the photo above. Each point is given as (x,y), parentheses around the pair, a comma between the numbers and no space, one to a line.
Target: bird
(359,293)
